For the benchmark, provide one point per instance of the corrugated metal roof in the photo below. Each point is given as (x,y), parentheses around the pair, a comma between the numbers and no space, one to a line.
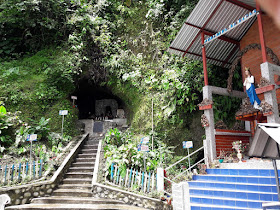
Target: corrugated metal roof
(213,16)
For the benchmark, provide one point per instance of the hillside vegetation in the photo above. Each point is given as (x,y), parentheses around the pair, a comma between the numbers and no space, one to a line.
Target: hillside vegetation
(47,46)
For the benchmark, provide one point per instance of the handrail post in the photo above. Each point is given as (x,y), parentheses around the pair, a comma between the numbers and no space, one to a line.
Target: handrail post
(160,179)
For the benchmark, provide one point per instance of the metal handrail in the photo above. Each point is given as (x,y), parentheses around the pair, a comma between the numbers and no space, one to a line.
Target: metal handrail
(184,158)
(189,168)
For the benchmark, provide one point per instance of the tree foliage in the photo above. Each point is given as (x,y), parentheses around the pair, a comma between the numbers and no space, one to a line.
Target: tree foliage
(120,44)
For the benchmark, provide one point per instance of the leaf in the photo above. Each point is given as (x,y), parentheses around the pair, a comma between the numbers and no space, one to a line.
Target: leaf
(3,110)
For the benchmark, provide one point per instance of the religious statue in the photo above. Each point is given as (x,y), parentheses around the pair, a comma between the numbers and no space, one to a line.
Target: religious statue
(250,89)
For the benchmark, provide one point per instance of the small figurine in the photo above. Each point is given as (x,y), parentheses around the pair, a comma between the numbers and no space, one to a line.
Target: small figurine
(250,89)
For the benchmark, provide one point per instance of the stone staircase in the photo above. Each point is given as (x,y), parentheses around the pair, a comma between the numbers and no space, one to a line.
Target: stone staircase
(75,191)
(231,189)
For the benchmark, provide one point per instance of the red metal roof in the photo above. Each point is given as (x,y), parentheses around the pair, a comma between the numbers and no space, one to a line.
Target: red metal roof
(211,16)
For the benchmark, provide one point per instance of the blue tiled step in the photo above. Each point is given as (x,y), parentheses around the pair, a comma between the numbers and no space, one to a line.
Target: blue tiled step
(237,178)
(234,186)
(232,203)
(242,172)
(229,194)
(215,207)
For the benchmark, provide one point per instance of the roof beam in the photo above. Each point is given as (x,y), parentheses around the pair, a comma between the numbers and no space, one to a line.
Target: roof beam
(214,59)
(241,4)
(210,33)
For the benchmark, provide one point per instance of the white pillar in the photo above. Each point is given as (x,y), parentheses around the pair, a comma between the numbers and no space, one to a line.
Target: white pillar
(268,71)
(210,130)
(181,196)
(160,180)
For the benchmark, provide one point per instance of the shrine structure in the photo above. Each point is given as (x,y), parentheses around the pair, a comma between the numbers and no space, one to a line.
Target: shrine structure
(224,33)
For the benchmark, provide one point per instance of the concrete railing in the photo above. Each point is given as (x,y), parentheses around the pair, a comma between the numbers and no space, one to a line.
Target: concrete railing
(96,165)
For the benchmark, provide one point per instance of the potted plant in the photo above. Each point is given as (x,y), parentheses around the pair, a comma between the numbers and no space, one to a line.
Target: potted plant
(221,156)
(239,147)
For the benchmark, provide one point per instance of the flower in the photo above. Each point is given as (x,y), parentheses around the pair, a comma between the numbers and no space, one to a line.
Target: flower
(238,146)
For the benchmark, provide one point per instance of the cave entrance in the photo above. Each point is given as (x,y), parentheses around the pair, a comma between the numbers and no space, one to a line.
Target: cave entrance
(96,102)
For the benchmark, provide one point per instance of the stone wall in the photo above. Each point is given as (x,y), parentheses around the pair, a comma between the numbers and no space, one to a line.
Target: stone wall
(103,191)
(23,194)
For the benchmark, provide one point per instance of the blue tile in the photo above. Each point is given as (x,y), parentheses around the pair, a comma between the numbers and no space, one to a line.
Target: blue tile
(266,197)
(240,187)
(253,172)
(253,196)
(241,195)
(207,200)
(222,179)
(195,200)
(254,205)
(275,197)
(231,194)
(231,179)
(205,208)
(241,204)
(241,179)
(216,208)
(264,172)
(195,208)
(252,187)
(229,203)
(218,202)
(233,171)
(253,180)
(231,186)
(265,180)
(242,172)
(218,193)
(225,171)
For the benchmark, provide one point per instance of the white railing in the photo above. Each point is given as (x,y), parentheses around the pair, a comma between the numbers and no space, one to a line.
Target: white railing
(18,173)
(190,166)
(134,180)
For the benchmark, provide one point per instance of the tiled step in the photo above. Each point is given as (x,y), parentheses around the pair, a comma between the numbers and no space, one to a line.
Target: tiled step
(233,194)
(243,172)
(73,192)
(236,179)
(219,201)
(76,181)
(71,200)
(230,189)
(216,207)
(81,169)
(234,186)
(86,175)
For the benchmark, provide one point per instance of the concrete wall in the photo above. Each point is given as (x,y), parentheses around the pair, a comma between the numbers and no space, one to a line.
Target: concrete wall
(103,191)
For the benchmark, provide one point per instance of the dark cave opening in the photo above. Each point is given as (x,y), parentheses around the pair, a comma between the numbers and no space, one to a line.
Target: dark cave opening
(94,101)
